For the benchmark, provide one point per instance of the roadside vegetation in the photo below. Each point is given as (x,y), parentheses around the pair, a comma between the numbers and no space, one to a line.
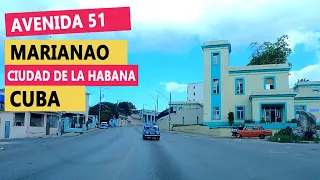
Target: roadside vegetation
(111,110)
(285,135)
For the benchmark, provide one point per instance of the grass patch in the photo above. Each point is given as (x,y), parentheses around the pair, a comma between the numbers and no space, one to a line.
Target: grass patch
(285,135)
(291,139)
(284,139)
(181,125)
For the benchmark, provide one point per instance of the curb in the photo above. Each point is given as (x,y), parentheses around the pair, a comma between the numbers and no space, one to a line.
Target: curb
(205,135)
(89,131)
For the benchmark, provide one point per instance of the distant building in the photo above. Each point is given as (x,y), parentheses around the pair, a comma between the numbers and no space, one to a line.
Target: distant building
(183,113)
(132,120)
(195,92)
(148,116)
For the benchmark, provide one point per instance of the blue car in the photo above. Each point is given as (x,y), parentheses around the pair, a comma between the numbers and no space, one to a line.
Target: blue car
(150,132)
(104,125)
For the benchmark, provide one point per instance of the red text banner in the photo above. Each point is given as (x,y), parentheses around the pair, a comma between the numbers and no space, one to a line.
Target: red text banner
(71,75)
(67,21)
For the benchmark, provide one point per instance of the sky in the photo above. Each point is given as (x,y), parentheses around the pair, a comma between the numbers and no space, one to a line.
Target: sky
(166,38)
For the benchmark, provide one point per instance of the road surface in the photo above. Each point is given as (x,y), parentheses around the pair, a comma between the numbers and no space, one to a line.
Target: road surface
(120,153)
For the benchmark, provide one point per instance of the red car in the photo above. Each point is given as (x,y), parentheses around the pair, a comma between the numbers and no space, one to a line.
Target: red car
(252,131)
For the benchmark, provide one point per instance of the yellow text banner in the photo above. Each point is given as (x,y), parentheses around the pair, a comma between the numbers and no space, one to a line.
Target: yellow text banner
(63,52)
(45,98)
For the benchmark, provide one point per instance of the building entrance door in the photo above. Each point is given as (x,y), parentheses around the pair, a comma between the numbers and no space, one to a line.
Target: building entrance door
(272,113)
(48,126)
(7,129)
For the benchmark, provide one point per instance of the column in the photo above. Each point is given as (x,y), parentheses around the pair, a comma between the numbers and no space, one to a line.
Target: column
(27,116)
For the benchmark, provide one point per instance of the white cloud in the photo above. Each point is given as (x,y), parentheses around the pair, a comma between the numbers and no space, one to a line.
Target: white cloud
(174,87)
(163,23)
(311,72)
(308,38)
(239,21)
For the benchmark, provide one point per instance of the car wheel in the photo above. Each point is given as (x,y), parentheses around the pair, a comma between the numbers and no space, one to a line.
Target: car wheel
(158,138)
(262,136)
(144,138)
(238,135)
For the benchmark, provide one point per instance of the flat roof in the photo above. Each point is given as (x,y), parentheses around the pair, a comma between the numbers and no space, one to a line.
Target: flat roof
(306,83)
(185,102)
(260,68)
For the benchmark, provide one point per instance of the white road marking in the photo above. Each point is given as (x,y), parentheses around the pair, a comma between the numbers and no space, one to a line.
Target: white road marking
(3,143)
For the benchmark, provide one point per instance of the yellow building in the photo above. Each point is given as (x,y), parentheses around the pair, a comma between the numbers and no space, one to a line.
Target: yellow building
(253,92)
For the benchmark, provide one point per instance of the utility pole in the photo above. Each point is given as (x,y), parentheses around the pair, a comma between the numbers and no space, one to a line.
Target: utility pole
(99,121)
(170,113)
(157,106)
(100,99)
(59,123)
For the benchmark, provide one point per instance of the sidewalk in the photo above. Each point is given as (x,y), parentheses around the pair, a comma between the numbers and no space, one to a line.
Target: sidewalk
(70,134)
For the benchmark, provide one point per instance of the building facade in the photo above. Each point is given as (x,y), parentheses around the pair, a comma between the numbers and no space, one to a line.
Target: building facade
(27,124)
(148,116)
(36,124)
(132,120)
(183,113)
(195,92)
(257,92)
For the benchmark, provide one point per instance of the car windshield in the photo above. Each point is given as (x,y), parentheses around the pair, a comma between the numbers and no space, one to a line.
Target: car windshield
(152,128)
(155,128)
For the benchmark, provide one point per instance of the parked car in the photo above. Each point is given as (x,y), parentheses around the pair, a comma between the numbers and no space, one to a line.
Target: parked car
(151,132)
(251,131)
(104,125)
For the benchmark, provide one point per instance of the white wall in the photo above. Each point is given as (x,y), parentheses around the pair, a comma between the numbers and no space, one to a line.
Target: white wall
(189,115)
(36,131)
(135,120)
(5,116)
(26,130)
(15,131)
(195,92)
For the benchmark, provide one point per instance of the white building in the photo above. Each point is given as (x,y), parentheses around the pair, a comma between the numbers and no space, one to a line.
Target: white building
(33,124)
(132,120)
(184,113)
(148,116)
(195,92)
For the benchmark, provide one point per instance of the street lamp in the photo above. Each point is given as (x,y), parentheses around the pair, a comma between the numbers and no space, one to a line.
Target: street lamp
(157,104)
(100,99)
(169,101)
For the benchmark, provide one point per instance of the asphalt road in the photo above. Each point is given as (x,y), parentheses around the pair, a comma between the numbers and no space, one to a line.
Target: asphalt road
(120,153)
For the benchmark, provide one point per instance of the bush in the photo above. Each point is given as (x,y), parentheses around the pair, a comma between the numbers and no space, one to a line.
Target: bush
(231,118)
(262,120)
(308,135)
(285,135)
(285,131)
(248,121)
(293,121)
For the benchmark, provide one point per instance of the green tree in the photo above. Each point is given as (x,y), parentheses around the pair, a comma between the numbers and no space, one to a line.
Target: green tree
(270,53)
(126,108)
(231,118)
(108,111)
(111,110)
